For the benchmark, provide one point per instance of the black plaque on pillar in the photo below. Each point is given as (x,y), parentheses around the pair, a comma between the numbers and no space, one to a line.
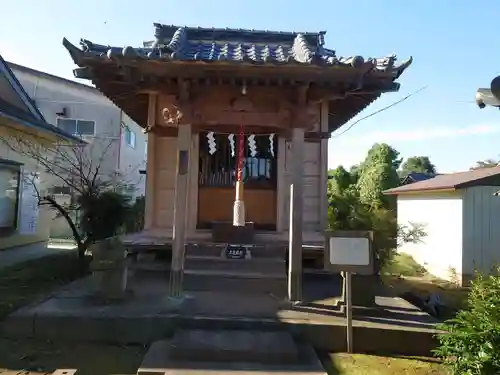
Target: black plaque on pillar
(183,162)
(236,252)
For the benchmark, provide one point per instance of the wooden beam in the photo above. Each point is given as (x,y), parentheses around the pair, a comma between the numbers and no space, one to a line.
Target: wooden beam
(165,131)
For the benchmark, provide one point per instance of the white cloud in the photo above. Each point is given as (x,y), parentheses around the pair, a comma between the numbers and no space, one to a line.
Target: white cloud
(420,134)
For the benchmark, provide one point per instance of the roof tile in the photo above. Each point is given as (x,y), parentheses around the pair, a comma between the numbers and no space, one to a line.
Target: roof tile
(234,45)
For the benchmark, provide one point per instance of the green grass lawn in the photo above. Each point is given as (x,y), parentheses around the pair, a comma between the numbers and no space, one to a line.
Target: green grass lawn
(405,275)
(361,364)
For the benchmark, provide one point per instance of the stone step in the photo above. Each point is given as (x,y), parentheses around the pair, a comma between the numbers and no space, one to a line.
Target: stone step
(236,282)
(266,266)
(234,346)
(264,354)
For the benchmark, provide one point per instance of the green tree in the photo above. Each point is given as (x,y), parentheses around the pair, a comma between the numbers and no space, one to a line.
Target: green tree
(421,164)
(378,173)
(340,180)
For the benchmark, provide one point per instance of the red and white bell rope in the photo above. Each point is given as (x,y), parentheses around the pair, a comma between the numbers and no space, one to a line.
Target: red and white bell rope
(239,204)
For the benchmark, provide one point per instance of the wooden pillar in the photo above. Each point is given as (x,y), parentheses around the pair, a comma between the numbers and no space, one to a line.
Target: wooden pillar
(296,221)
(323,181)
(281,185)
(180,209)
(149,210)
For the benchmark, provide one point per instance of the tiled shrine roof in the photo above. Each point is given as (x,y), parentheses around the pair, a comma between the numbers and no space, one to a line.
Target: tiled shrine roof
(176,43)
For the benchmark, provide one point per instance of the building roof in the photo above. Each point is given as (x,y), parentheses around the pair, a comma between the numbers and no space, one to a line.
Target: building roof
(413,177)
(118,71)
(20,108)
(452,181)
(53,77)
(257,47)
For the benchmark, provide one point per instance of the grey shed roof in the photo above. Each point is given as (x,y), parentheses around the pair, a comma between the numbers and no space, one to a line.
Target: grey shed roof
(484,176)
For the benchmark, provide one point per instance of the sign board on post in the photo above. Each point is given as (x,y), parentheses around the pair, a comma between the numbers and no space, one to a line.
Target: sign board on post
(348,252)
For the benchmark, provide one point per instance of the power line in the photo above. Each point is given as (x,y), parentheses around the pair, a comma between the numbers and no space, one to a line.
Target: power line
(380,110)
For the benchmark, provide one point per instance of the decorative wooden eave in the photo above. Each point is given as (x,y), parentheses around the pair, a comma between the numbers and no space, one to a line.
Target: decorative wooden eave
(217,56)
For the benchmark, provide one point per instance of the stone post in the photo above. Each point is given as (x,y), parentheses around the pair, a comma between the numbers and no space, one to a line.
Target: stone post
(180,209)
(296,221)
(109,269)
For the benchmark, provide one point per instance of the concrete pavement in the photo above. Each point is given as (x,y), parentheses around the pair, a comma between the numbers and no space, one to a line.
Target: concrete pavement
(19,254)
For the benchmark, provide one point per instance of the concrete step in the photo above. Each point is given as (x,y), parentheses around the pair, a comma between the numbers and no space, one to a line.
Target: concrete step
(234,346)
(230,353)
(236,282)
(266,266)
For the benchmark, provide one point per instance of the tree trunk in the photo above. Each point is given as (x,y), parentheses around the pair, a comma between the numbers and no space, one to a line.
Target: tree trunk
(81,245)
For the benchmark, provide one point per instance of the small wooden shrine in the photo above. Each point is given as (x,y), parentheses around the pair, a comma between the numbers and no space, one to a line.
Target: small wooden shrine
(229,108)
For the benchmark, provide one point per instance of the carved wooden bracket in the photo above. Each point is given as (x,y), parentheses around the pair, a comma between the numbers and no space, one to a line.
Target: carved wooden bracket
(172,115)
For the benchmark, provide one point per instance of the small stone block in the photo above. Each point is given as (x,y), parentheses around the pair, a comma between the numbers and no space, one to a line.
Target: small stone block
(234,346)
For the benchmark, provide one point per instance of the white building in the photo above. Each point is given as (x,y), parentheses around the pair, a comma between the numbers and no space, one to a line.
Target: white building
(22,220)
(82,110)
(461,217)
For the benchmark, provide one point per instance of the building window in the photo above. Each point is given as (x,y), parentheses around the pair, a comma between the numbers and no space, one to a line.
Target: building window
(66,190)
(9,195)
(76,127)
(129,137)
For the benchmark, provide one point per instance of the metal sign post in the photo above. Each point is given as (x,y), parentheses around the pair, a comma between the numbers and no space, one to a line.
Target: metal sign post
(349,252)
(348,302)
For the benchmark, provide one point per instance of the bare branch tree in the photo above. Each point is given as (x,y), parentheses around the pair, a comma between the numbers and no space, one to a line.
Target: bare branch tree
(80,167)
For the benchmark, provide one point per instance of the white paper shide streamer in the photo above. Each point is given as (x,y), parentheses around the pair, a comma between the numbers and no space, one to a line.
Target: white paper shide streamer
(271,144)
(231,144)
(212,146)
(252,145)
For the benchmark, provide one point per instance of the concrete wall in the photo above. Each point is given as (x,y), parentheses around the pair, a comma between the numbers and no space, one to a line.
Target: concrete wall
(440,252)
(481,229)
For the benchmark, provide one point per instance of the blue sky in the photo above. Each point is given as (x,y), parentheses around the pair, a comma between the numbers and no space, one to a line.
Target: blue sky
(455,45)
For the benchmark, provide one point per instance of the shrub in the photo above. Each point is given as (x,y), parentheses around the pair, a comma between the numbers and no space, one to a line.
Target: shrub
(470,343)
(104,215)
(135,220)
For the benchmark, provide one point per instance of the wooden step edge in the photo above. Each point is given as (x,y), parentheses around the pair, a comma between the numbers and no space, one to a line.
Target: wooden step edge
(239,274)
(222,259)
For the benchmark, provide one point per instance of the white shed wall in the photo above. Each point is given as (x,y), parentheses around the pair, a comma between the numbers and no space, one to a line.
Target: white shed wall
(441,214)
